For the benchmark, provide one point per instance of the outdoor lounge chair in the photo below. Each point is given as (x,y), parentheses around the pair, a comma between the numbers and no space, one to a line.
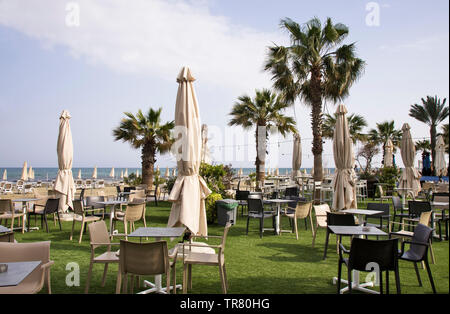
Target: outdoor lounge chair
(300,210)
(7,211)
(51,207)
(256,211)
(80,215)
(321,219)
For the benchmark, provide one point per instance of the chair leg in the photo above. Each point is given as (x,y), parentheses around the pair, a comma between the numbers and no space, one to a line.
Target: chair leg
(387,282)
(397,281)
(261,226)
(417,274)
(28,221)
(73,228)
(46,224)
(326,244)
(433,258)
(314,236)
(184,278)
(380,276)
(296,228)
(119,280)
(248,220)
(88,280)
(225,276)
(349,279)
(83,224)
(222,280)
(104,274)
(430,276)
(339,277)
(190,276)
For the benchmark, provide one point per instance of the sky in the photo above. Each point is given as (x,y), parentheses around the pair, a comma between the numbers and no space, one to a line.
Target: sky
(98,59)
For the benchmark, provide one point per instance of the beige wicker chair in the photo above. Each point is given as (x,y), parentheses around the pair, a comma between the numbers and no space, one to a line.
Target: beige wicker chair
(216,259)
(144,259)
(80,215)
(321,219)
(301,211)
(24,252)
(7,211)
(99,235)
(135,211)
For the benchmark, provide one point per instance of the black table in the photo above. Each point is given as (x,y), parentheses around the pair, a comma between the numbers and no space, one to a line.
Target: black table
(17,272)
(357,231)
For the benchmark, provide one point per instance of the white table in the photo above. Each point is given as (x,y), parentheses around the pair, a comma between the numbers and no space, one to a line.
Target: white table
(406,190)
(158,234)
(278,202)
(356,285)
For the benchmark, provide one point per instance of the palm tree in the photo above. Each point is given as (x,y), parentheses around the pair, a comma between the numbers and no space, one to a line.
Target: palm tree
(356,123)
(383,132)
(265,112)
(316,67)
(147,133)
(432,112)
(423,146)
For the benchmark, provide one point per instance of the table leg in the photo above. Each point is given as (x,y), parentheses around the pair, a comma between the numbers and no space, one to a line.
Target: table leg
(277,220)
(111,218)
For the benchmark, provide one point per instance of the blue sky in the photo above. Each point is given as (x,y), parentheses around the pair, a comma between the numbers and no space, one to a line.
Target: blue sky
(125,55)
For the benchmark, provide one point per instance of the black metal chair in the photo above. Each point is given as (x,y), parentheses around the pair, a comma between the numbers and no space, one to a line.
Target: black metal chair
(256,210)
(337,219)
(384,215)
(242,196)
(369,255)
(399,211)
(442,218)
(418,251)
(292,191)
(416,208)
(51,207)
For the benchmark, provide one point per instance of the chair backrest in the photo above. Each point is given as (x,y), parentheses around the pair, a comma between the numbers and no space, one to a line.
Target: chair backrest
(292,191)
(425,218)
(118,189)
(303,209)
(418,207)
(242,195)
(6,206)
(144,258)
(397,203)
(367,254)
(134,211)
(82,194)
(422,235)
(224,237)
(98,232)
(136,194)
(78,207)
(321,214)
(339,219)
(379,207)
(25,252)
(440,197)
(255,203)
(51,206)
(128,189)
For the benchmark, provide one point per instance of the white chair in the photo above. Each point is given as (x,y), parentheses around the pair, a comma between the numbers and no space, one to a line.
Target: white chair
(8,188)
(28,188)
(100,184)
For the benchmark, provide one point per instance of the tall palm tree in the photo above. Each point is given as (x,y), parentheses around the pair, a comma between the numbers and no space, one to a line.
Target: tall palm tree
(356,124)
(383,132)
(265,112)
(145,131)
(432,112)
(316,67)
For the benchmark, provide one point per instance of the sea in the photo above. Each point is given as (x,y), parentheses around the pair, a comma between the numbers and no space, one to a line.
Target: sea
(49,174)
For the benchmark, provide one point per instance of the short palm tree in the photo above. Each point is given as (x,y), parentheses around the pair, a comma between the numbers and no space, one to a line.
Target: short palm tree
(356,124)
(315,68)
(432,112)
(145,131)
(265,112)
(383,132)
(423,146)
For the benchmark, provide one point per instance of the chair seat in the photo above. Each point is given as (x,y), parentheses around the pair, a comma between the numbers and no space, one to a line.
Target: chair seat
(403,233)
(194,249)
(107,257)
(258,215)
(410,256)
(86,218)
(202,258)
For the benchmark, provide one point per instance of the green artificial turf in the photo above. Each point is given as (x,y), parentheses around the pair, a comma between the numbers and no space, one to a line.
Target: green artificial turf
(271,265)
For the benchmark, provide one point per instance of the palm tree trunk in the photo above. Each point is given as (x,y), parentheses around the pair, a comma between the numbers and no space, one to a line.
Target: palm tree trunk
(148,163)
(317,119)
(433,147)
(260,165)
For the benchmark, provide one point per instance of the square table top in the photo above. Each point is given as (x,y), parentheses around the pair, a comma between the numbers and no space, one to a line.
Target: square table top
(278,201)
(4,229)
(111,202)
(356,211)
(357,230)
(158,232)
(17,271)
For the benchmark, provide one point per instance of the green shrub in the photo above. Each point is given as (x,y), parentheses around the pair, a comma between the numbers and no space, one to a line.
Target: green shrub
(210,204)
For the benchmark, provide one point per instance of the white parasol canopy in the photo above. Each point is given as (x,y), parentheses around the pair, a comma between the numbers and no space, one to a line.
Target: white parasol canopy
(5,175)
(64,183)
(296,156)
(190,190)
(94,173)
(410,176)
(344,186)
(439,163)
(24,176)
(388,154)
(112,173)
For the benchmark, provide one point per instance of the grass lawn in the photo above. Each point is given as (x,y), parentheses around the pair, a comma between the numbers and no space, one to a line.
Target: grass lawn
(271,265)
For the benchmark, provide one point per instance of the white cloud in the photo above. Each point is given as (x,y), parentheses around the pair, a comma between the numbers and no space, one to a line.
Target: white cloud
(148,37)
